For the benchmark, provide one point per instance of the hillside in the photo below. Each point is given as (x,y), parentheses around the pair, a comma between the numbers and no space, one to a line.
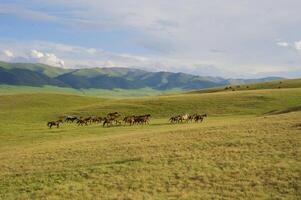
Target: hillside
(108,78)
(238,152)
(277,84)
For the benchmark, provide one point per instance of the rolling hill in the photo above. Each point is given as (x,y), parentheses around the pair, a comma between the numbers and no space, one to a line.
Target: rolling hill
(34,74)
(276,84)
(238,152)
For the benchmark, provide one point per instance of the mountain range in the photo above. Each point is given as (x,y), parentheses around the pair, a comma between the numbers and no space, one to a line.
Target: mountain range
(36,74)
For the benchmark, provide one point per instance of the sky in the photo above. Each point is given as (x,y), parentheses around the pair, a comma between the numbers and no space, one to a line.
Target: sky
(227,38)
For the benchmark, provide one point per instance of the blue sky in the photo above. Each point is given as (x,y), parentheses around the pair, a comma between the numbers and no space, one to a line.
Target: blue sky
(231,38)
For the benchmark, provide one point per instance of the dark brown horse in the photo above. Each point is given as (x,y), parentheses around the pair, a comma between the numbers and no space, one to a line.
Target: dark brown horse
(54,123)
(129,119)
(96,119)
(108,121)
(81,122)
(142,119)
(200,118)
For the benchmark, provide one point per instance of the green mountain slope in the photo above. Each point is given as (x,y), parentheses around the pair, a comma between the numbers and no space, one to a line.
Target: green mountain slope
(108,78)
(27,77)
(47,70)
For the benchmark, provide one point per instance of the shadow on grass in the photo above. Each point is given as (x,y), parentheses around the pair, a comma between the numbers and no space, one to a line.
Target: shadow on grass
(125,161)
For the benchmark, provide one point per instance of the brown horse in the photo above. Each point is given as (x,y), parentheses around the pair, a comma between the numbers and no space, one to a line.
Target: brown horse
(129,119)
(96,119)
(54,123)
(142,119)
(108,121)
(81,122)
(200,118)
(88,119)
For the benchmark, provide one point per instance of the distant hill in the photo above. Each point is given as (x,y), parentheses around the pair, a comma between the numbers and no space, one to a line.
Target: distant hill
(275,84)
(17,76)
(35,74)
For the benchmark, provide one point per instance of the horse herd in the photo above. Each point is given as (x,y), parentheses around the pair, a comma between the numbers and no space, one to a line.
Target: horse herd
(114,118)
(188,118)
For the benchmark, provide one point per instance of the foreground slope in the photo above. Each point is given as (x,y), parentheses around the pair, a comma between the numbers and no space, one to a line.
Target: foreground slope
(237,153)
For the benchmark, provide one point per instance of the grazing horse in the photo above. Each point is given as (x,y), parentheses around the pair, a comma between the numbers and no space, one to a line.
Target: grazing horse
(54,123)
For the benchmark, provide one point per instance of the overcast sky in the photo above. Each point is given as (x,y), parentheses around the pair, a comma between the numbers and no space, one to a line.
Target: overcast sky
(231,38)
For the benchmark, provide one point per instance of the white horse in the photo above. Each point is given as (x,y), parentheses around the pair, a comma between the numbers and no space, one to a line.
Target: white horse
(185,117)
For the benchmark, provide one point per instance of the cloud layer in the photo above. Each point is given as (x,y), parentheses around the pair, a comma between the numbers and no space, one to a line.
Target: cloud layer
(33,56)
(195,36)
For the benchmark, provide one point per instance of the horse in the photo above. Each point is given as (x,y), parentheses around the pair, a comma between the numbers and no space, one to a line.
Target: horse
(88,119)
(108,121)
(97,119)
(191,117)
(175,119)
(184,118)
(129,119)
(54,123)
(142,119)
(200,118)
(113,114)
(71,119)
(81,122)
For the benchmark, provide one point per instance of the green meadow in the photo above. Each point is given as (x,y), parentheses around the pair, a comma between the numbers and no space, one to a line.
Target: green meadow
(115,93)
(247,148)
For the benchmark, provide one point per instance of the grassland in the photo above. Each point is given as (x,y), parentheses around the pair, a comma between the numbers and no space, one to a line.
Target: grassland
(239,152)
(115,93)
(278,84)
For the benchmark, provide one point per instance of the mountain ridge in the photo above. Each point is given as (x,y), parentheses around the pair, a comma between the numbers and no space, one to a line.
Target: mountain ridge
(36,74)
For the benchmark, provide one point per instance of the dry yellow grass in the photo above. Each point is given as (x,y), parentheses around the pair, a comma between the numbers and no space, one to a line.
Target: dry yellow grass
(236,156)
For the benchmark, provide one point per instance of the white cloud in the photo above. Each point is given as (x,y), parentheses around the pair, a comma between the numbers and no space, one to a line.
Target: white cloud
(46,58)
(27,55)
(8,53)
(176,35)
(72,56)
(283,44)
(297,45)
(36,54)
